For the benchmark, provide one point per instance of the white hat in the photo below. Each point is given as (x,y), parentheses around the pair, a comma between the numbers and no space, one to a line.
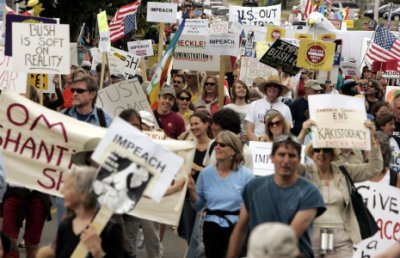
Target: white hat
(147,118)
(86,63)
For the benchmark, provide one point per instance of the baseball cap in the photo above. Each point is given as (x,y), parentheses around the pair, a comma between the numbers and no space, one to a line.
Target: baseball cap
(167,90)
(313,84)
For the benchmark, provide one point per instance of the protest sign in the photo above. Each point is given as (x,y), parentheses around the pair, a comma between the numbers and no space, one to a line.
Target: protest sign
(349,69)
(295,42)
(10,80)
(339,122)
(261,154)
(395,158)
(41,81)
(390,74)
(119,61)
(274,33)
(14,18)
(37,144)
(73,51)
(104,41)
(251,68)
(261,48)
(391,92)
(349,24)
(141,47)
(282,55)
(123,95)
(316,55)
(256,16)
(248,44)
(190,53)
(155,135)
(161,12)
(336,23)
(301,36)
(222,44)
(383,202)
(163,160)
(42,48)
(326,36)
(219,27)
(195,27)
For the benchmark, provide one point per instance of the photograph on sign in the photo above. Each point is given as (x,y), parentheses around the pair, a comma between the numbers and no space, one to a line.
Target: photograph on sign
(141,47)
(162,12)
(256,16)
(42,48)
(274,33)
(222,44)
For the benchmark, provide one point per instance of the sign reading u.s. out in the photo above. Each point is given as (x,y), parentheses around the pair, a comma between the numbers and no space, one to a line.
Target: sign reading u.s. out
(316,55)
(282,55)
(257,16)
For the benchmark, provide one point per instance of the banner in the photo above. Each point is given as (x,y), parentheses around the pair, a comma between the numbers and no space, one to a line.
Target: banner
(196,27)
(42,48)
(141,47)
(251,68)
(190,53)
(256,16)
(10,80)
(222,44)
(282,55)
(37,144)
(384,203)
(274,33)
(339,122)
(161,12)
(316,55)
(261,154)
(349,69)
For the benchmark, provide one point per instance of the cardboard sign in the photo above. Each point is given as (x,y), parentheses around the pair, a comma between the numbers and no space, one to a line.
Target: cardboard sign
(261,154)
(383,202)
(282,55)
(119,61)
(251,68)
(349,69)
(301,36)
(274,33)
(42,48)
(196,27)
(339,122)
(256,16)
(219,27)
(163,160)
(161,12)
(222,44)
(10,80)
(141,47)
(391,92)
(104,41)
(190,53)
(123,95)
(315,55)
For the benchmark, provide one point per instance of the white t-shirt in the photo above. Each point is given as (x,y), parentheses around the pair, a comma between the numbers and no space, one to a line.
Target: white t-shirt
(256,113)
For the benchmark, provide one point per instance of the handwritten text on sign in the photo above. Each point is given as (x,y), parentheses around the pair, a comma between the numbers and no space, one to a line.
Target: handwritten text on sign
(256,16)
(42,48)
(10,80)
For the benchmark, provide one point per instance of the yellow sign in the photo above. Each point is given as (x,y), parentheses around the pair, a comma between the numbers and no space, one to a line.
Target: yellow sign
(261,48)
(350,24)
(36,80)
(316,55)
(274,33)
(301,36)
(316,3)
(326,37)
(102,21)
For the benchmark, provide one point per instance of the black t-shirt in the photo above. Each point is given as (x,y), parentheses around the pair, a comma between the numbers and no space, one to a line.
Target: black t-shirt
(198,160)
(396,133)
(298,109)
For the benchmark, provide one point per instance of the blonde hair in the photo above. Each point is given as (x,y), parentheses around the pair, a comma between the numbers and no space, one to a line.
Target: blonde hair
(233,141)
(271,114)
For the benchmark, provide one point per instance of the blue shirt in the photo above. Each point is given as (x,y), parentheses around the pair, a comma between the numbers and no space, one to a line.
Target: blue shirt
(216,193)
(91,118)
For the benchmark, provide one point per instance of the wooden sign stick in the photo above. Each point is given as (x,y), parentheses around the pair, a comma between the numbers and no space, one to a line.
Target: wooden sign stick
(221,92)
(161,41)
(103,63)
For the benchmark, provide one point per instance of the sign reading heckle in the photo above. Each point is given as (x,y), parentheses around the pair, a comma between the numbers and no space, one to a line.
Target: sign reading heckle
(256,16)
(339,122)
(42,48)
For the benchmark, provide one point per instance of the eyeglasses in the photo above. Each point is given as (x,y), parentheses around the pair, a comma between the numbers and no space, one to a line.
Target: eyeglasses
(221,144)
(277,123)
(87,68)
(210,84)
(177,81)
(285,138)
(184,98)
(79,91)
(272,85)
(324,150)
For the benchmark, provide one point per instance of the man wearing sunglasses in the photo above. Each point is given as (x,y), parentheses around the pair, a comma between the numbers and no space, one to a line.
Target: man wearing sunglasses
(178,82)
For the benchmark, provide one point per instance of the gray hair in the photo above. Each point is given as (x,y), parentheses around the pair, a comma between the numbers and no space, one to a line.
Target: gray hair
(84,178)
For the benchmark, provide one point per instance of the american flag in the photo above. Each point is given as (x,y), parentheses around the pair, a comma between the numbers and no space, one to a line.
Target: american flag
(124,21)
(309,8)
(384,47)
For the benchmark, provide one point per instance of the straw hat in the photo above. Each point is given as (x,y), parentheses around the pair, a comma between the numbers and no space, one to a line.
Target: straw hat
(274,79)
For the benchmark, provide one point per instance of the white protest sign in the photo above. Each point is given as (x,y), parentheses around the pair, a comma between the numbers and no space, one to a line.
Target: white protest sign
(395,161)
(349,69)
(155,135)
(195,27)
(256,16)
(223,44)
(384,203)
(219,27)
(190,53)
(161,12)
(340,122)
(141,47)
(251,68)
(119,61)
(123,95)
(73,50)
(261,154)
(10,80)
(236,28)
(42,48)
(163,160)
(295,42)
(391,74)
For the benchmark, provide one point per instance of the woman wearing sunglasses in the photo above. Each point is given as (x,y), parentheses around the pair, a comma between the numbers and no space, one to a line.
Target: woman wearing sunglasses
(209,99)
(275,125)
(218,190)
(339,217)
(185,106)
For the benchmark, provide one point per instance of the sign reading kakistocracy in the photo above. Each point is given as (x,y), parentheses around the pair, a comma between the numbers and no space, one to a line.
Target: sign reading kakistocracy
(141,47)
(195,27)
(282,55)
(256,16)
(10,80)
(190,53)
(42,48)
(251,68)
(223,44)
(161,12)
(339,122)
(384,203)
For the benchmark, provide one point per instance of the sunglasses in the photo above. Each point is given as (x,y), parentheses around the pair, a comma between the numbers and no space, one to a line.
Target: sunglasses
(210,84)
(177,81)
(79,91)
(277,123)
(273,85)
(184,98)
(87,68)
(286,138)
(325,150)
(221,144)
